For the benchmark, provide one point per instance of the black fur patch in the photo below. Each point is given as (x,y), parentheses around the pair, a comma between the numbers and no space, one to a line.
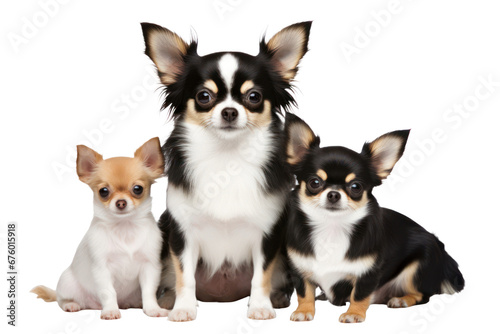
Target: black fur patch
(341,291)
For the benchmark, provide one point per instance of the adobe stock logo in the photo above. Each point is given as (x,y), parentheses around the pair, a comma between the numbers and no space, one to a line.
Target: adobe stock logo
(120,110)
(222,7)
(452,120)
(34,23)
(363,36)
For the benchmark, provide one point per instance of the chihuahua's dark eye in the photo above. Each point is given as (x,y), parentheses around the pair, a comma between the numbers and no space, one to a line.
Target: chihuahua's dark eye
(104,192)
(253,99)
(356,188)
(138,190)
(205,99)
(314,185)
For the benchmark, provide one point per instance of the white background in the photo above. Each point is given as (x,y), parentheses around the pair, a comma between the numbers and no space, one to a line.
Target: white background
(81,72)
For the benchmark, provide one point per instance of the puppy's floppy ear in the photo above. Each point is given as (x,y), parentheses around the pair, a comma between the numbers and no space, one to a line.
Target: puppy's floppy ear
(151,156)
(385,151)
(167,50)
(287,47)
(300,139)
(86,162)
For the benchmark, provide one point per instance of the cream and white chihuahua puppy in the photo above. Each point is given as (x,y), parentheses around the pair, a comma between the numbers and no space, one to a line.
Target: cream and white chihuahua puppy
(117,264)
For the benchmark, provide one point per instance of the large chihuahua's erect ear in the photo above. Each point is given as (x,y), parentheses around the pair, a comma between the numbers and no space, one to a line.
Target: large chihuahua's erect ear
(287,47)
(167,50)
(152,157)
(86,162)
(300,139)
(385,151)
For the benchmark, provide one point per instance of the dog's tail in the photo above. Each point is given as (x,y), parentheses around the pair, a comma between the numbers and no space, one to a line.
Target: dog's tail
(453,278)
(45,293)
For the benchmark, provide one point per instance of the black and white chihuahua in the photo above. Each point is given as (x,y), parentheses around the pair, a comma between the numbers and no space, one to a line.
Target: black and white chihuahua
(341,240)
(228,180)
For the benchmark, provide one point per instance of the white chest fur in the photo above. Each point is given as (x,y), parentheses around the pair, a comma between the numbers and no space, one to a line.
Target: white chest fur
(122,247)
(331,241)
(227,211)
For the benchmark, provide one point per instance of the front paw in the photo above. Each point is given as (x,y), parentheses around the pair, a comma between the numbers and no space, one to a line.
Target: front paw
(182,314)
(110,314)
(156,312)
(261,313)
(301,316)
(397,303)
(351,318)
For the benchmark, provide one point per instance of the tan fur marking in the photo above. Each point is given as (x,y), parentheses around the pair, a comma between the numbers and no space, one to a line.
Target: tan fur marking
(409,276)
(350,177)
(322,174)
(303,140)
(357,309)
(307,198)
(179,281)
(210,84)
(247,85)
(262,119)
(413,296)
(358,204)
(197,118)
(306,308)
(267,277)
(119,175)
(412,299)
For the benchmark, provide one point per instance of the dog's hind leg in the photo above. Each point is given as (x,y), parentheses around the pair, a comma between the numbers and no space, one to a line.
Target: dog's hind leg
(282,285)
(70,295)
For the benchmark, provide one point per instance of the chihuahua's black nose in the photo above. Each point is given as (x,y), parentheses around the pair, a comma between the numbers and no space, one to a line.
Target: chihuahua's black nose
(333,196)
(229,114)
(121,204)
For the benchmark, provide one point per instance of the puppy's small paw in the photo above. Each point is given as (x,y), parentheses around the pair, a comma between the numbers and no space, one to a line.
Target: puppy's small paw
(301,316)
(182,314)
(71,307)
(397,303)
(156,312)
(351,318)
(261,313)
(110,314)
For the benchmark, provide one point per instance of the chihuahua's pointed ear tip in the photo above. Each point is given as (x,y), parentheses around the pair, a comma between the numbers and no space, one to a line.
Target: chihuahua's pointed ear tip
(156,140)
(306,24)
(403,133)
(80,148)
(148,28)
(147,25)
